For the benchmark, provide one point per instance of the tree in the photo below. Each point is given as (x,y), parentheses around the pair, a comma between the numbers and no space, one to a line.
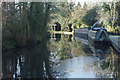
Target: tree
(61,13)
(24,23)
(112,11)
(105,7)
(118,12)
(85,6)
(90,17)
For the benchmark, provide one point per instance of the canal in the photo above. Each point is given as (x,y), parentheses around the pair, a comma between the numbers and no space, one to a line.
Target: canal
(60,57)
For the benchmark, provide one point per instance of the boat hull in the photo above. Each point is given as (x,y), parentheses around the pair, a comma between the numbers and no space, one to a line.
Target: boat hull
(99,42)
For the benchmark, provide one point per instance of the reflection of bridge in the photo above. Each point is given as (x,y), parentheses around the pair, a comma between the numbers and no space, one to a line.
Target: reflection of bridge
(58,35)
(61,32)
(81,35)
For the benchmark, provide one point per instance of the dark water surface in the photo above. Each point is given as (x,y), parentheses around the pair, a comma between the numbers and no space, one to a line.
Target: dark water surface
(61,57)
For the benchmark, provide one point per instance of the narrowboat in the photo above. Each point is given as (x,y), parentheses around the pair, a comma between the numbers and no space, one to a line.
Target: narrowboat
(98,41)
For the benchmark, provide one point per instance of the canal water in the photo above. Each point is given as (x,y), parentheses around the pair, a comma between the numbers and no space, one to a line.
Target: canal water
(60,57)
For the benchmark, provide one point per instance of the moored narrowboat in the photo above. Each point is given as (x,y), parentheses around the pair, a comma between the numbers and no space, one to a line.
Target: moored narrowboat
(98,40)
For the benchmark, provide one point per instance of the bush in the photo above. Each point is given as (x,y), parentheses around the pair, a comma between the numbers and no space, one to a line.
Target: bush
(74,21)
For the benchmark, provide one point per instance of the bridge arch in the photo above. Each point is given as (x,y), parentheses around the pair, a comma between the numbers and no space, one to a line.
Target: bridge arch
(57,26)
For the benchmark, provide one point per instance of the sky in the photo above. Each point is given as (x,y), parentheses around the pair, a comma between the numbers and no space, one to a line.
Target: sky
(89,1)
(76,1)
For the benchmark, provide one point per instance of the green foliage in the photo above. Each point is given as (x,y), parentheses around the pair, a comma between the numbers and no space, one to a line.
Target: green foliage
(74,21)
(85,16)
(25,25)
(90,17)
(105,7)
(118,11)
(112,11)
(63,11)
(28,22)
(85,6)
(79,4)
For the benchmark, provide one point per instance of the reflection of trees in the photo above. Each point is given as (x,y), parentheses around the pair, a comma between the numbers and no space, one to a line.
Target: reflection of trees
(68,49)
(112,62)
(25,25)
(8,64)
(80,49)
(109,65)
(65,49)
(36,58)
(35,64)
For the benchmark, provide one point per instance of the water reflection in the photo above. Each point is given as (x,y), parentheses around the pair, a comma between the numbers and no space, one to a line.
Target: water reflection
(56,37)
(80,61)
(81,67)
(27,63)
(62,57)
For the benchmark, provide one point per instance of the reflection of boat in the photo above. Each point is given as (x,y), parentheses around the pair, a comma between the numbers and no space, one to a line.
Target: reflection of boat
(98,40)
